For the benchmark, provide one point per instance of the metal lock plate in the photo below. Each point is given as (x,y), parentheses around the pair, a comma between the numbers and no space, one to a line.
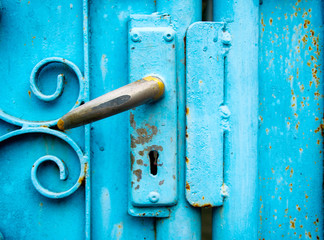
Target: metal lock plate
(206,113)
(153,127)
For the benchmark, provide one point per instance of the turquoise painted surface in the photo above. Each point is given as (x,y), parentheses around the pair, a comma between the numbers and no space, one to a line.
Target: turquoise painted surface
(238,217)
(273,175)
(39,204)
(291,120)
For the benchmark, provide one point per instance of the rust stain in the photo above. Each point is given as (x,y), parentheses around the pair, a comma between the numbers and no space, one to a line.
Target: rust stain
(262,21)
(305,14)
(145,135)
(139,162)
(81,179)
(306,23)
(320,129)
(138,174)
(271,20)
(86,168)
(312,32)
(187,110)
(292,224)
(297,125)
(205,205)
(137,187)
(290,187)
(187,160)
(132,121)
(150,148)
(29,93)
(187,186)
(132,161)
(298,207)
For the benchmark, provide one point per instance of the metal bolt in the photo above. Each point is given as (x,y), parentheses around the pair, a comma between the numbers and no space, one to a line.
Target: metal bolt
(154,197)
(225,112)
(168,36)
(135,37)
(224,191)
(226,38)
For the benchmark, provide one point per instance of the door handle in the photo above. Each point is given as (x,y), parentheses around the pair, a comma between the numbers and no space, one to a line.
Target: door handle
(145,90)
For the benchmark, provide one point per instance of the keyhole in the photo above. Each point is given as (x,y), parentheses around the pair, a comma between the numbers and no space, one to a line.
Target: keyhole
(154,156)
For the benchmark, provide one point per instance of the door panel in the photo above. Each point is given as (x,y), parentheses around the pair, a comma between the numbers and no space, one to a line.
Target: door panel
(75,184)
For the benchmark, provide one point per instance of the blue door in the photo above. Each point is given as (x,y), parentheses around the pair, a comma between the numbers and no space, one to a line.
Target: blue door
(232,150)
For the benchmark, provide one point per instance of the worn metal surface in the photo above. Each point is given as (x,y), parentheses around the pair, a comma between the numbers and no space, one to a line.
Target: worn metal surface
(153,127)
(36,202)
(120,100)
(238,217)
(110,146)
(184,220)
(47,62)
(291,120)
(206,114)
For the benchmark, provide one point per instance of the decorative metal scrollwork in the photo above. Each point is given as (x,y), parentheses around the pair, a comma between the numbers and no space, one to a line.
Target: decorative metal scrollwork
(63,170)
(42,127)
(59,90)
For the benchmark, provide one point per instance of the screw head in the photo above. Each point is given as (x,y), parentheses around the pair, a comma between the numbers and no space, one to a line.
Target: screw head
(154,197)
(168,36)
(136,37)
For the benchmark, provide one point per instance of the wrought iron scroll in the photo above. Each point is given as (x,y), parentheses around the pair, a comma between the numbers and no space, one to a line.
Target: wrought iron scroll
(30,127)
(63,170)
(33,84)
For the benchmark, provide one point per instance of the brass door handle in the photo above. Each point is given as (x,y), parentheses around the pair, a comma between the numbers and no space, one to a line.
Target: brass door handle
(137,93)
